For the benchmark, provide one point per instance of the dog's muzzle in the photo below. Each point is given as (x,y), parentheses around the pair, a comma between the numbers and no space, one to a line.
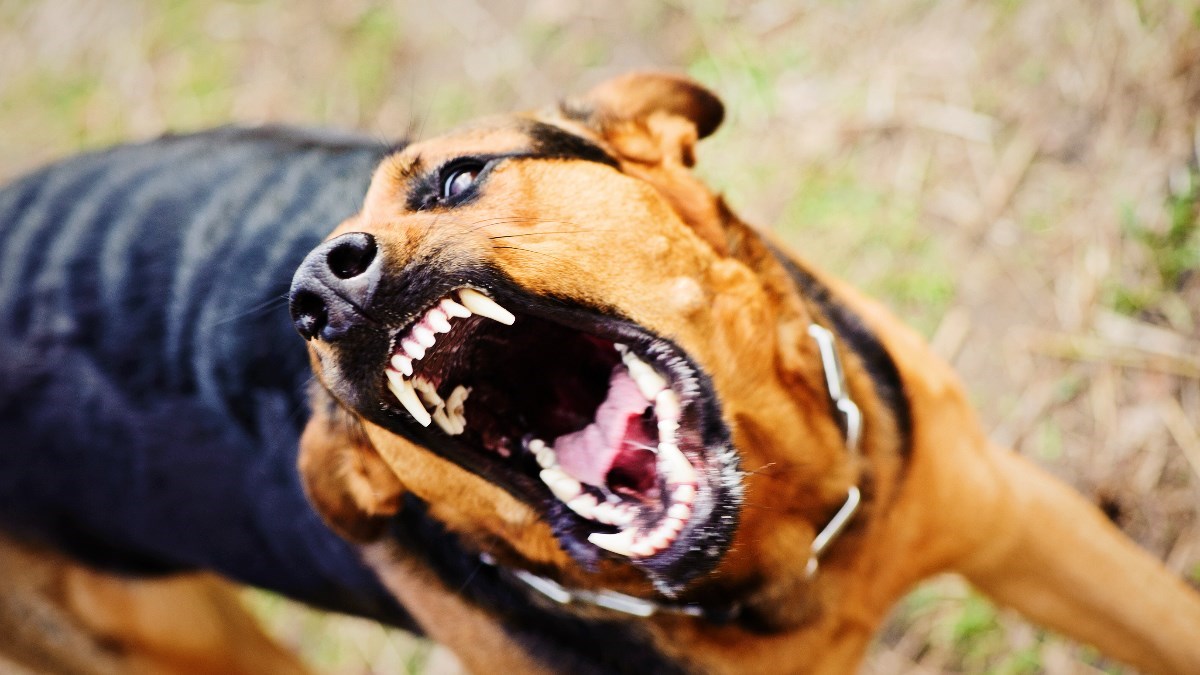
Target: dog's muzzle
(333,286)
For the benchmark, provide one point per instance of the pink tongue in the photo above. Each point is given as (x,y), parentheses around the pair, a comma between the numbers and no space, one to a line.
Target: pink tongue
(589,453)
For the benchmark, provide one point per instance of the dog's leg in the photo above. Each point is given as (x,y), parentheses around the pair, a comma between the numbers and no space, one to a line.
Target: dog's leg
(58,616)
(1055,558)
(184,624)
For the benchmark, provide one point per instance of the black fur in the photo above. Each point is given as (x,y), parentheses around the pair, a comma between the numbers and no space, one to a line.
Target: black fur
(151,383)
(561,640)
(850,329)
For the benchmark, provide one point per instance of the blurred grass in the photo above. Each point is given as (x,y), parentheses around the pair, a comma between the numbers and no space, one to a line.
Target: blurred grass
(1001,174)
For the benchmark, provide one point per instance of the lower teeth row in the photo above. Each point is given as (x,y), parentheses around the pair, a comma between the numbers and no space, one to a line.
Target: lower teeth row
(631,541)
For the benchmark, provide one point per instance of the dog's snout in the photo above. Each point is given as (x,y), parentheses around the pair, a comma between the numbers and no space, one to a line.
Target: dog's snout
(351,255)
(333,285)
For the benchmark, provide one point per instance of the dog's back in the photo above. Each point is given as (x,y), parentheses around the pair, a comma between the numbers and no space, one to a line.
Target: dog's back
(147,358)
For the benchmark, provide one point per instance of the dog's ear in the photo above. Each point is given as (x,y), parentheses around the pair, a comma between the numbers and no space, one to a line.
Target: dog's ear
(651,122)
(650,118)
(345,479)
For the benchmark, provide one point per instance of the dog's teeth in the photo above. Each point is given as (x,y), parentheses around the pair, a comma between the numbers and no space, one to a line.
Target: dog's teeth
(445,423)
(456,410)
(411,347)
(675,525)
(408,397)
(402,363)
(622,515)
(424,336)
(666,405)
(544,454)
(660,538)
(561,485)
(604,512)
(618,542)
(642,548)
(621,349)
(680,512)
(584,505)
(674,465)
(667,429)
(427,392)
(684,494)
(452,308)
(648,381)
(482,305)
(437,320)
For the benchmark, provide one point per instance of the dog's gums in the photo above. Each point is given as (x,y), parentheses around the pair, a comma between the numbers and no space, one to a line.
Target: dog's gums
(605,441)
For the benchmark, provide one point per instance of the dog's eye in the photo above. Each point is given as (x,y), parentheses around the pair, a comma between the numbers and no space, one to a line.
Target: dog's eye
(459,178)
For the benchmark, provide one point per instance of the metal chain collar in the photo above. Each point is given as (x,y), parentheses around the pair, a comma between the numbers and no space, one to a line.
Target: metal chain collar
(839,394)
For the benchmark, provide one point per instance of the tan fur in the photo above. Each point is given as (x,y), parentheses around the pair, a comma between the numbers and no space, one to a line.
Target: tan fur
(57,616)
(654,243)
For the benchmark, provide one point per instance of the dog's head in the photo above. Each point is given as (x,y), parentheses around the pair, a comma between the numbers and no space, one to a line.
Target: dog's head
(547,329)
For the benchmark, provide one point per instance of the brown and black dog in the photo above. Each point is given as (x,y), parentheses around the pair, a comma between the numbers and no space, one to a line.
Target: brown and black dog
(573,414)
(639,398)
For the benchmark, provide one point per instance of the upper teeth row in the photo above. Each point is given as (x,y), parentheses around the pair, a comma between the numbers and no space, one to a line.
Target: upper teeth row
(680,477)
(413,347)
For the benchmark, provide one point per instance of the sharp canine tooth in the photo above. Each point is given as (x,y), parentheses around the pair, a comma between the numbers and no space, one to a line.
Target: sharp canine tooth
(424,336)
(648,381)
(413,348)
(408,397)
(452,308)
(618,542)
(402,363)
(482,305)
(674,464)
(666,405)
(437,320)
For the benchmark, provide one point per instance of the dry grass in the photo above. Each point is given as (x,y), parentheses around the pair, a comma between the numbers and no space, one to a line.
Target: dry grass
(1016,178)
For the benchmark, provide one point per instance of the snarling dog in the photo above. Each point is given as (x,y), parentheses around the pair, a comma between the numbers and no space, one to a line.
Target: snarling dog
(584,371)
(569,414)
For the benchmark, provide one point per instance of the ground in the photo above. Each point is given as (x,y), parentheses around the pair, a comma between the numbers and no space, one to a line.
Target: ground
(1017,179)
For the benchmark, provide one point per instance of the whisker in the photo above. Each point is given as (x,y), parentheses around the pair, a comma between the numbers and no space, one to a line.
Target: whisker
(529,250)
(534,234)
(257,310)
(509,220)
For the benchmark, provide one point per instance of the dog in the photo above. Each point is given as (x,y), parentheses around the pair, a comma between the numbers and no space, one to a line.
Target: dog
(565,413)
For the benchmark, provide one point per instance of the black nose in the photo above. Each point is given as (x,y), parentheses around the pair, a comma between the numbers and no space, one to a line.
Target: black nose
(333,285)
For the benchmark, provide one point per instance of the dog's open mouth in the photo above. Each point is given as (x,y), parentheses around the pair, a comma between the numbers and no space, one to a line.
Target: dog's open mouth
(613,432)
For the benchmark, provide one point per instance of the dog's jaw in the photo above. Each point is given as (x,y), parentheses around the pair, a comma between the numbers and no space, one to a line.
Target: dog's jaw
(612,259)
(609,431)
